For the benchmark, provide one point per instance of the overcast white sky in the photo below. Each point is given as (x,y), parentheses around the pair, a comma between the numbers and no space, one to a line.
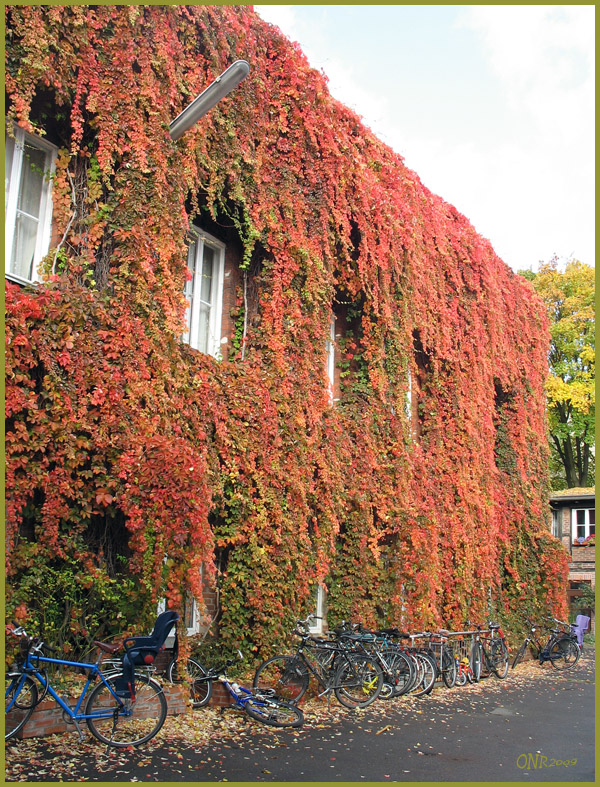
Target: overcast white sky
(492,106)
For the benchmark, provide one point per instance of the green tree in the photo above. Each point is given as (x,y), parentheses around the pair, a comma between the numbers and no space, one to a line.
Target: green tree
(569,299)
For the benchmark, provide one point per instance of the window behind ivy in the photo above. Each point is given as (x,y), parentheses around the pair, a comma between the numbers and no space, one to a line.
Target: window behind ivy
(204,293)
(28,163)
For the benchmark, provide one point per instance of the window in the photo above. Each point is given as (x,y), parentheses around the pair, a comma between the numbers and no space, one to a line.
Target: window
(28,163)
(419,378)
(319,610)
(331,359)
(204,293)
(191,617)
(556,518)
(409,401)
(583,523)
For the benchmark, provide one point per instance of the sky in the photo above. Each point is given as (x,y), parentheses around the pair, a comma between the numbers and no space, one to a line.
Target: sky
(492,106)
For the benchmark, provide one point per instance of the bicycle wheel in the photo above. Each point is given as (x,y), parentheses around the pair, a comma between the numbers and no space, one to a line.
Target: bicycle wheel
(126,723)
(475,661)
(358,681)
(461,676)
(417,672)
(194,675)
(397,673)
(20,699)
(429,675)
(287,676)
(520,654)
(499,658)
(564,654)
(448,667)
(273,712)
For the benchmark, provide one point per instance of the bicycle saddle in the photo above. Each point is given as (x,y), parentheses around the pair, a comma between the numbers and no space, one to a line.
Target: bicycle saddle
(107,647)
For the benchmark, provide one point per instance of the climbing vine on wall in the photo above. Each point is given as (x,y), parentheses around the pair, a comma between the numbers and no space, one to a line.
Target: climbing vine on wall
(133,455)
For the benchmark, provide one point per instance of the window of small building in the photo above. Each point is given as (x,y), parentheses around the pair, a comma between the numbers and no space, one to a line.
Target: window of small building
(583,524)
(556,523)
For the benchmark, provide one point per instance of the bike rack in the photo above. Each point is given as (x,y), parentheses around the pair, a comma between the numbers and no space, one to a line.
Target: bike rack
(462,645)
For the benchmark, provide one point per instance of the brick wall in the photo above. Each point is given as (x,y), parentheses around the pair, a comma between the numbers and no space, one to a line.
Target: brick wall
(583,555)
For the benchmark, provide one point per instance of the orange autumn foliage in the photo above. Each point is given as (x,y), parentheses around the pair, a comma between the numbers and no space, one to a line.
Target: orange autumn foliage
(117,432)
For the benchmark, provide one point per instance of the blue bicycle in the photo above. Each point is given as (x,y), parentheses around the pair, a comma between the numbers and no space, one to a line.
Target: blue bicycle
(260,704)
(117,712)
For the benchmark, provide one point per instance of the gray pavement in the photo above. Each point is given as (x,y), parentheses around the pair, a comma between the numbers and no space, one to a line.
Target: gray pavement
(534,726)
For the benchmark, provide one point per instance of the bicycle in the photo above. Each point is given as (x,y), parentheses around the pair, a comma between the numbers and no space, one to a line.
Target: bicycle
(197,679)
(561,648)
(475,653)
(427,668)
(119,712)
(396,666)
(566,650)
(464,673)
(260,704)
(497,660)
(446,664)
(353,675)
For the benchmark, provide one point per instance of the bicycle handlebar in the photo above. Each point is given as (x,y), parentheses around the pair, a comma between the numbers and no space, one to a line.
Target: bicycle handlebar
(560,622)
(34,644)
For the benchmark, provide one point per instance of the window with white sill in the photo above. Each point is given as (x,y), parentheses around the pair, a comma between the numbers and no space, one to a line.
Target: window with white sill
(583,524)
(28,166)
(204,292)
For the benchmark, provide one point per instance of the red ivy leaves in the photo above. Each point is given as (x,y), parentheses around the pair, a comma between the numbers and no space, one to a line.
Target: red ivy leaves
(110,412)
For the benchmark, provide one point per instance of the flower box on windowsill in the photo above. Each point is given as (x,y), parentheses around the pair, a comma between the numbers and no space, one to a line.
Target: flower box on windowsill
(590,541)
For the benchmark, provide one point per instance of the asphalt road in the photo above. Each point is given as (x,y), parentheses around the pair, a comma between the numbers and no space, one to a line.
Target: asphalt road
(534,726)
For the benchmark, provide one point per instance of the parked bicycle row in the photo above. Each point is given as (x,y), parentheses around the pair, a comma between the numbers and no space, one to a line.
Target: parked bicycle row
(123,704)
(359,666)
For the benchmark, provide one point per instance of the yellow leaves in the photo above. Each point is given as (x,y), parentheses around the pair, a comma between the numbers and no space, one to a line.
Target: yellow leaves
(580,395)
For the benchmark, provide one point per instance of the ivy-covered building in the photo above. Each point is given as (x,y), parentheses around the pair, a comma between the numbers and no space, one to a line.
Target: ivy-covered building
(263,362)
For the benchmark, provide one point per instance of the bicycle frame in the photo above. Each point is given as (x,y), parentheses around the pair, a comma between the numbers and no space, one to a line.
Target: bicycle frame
(442,644)
(74,714)
(240,694)
(316,668)
(543,649)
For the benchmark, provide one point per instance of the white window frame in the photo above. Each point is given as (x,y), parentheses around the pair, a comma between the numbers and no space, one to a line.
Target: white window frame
(586,525)
(11,201)
(191,630)
(198,240)
(331,359)
(317,625)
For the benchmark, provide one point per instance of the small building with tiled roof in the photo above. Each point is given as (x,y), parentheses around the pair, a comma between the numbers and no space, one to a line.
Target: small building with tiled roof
(574,524)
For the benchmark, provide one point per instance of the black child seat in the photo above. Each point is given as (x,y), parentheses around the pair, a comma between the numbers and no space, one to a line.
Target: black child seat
(143,650)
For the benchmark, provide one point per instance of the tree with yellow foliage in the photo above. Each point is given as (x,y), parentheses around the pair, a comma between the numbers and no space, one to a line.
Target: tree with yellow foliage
(569,299)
